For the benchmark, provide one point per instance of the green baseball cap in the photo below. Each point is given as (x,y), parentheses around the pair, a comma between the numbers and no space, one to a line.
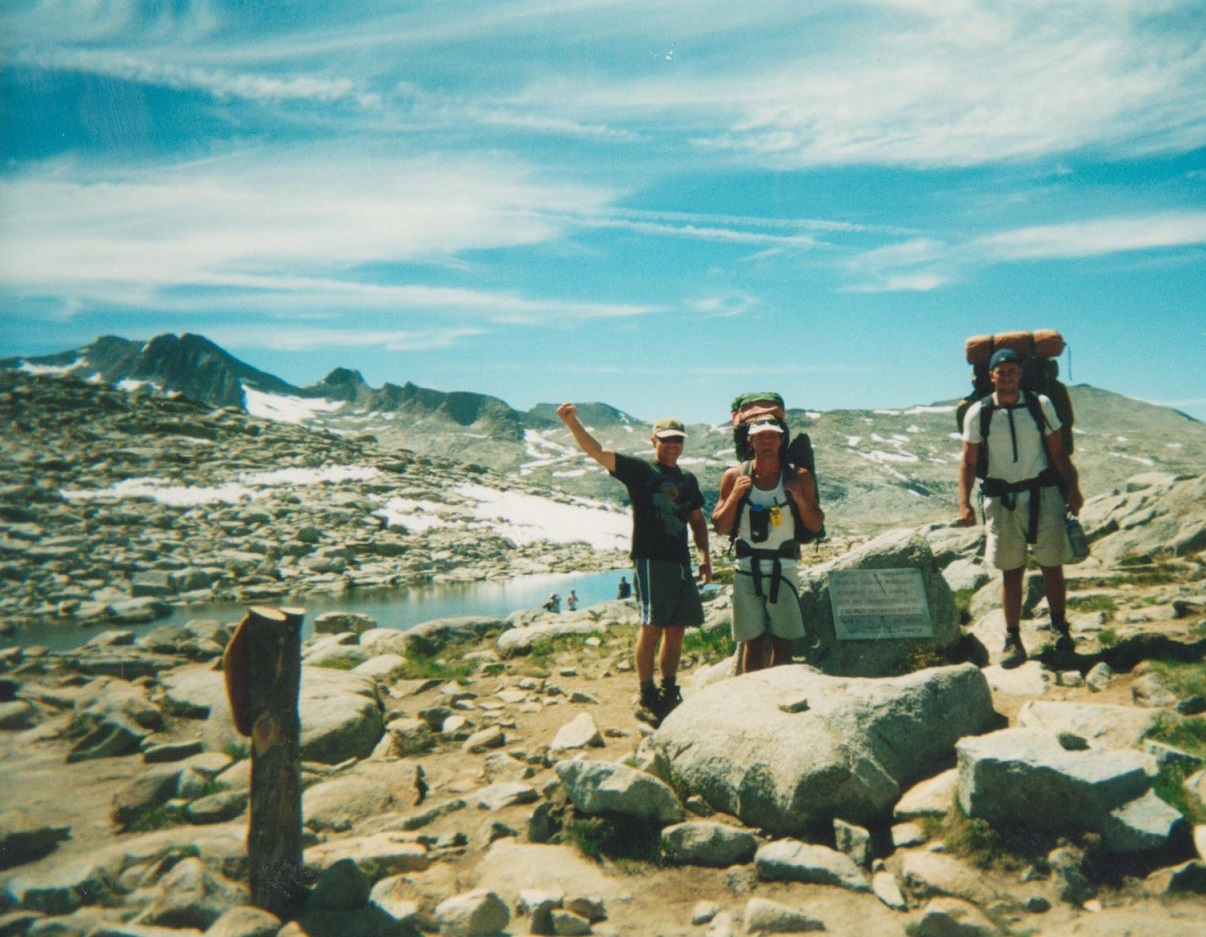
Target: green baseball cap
(668,426)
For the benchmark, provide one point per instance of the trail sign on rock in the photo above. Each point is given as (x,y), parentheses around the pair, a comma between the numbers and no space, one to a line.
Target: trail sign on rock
(870,604)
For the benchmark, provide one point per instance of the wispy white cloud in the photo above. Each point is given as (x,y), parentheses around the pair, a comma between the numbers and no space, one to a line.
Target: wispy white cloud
(917,265)
(924,264)
(902,283)
(696,232)
(877,82)
(926,85)
(1097,236)
(250,86)
(728,305)
(309,339)
(298,224)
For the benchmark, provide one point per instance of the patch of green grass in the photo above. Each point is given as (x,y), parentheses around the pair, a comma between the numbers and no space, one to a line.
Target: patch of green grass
(1184,679)
(1107,637)
(588,836)
(338,663)
(1169,786)
(1143,571)
(627,839)
(1152,577)
(1092,603)
(238,751)
(710,645)
(158,818)
(923,656)
(545,651)
(209,788)
(1007,849)
(1185,732)
(963,599)
(455,668)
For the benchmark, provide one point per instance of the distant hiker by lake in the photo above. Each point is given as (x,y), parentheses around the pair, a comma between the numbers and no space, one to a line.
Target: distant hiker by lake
(666,500)
(624,589)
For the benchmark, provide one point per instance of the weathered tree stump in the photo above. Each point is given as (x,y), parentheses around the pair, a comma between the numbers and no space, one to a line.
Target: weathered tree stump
(263,681)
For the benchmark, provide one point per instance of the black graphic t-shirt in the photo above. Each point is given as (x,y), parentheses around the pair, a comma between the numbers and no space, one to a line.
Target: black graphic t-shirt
(662,499)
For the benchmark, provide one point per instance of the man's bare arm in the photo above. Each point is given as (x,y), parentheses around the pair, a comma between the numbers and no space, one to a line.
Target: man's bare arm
(1067,471)
(586,442)
(967,479)
(733,485)
(699,532)
(802,489)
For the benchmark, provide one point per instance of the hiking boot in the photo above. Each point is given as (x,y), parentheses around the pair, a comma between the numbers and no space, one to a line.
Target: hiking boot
(647,707)
(1013,654)
(1064,644)
(668,700)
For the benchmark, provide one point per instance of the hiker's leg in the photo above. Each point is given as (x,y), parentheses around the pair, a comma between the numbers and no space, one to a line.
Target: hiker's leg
(671,652)
(1056,588)
(1011,597)
(780,651)
(646,651)
(784,619)
(753,654)
(1004,535)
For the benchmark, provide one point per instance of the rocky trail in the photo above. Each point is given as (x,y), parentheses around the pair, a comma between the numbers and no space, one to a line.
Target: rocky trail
(484,776)
(457,817)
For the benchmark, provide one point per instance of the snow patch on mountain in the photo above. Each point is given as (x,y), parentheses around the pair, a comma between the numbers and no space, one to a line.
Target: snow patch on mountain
(526,518)
(287,409)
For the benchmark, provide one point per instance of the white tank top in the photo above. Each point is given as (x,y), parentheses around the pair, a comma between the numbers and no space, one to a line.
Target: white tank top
(780,528)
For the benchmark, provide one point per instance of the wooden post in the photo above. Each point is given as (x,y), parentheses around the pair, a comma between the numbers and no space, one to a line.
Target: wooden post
(263,681)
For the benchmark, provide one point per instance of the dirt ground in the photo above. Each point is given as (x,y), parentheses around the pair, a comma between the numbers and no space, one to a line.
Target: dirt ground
(647,899)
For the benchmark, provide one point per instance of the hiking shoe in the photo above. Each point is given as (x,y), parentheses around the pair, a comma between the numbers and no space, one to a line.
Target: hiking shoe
(1013,654)
(668,700)
(1064,644)
(648,708)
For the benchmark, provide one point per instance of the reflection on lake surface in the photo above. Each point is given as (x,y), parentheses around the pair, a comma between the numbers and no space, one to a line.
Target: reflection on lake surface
(394,608)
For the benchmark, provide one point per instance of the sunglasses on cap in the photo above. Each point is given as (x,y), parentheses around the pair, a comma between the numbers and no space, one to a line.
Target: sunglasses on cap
(672,439)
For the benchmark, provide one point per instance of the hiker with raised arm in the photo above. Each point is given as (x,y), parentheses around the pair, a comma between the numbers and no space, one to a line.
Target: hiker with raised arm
(1012,440)
(666,501)
(767,506)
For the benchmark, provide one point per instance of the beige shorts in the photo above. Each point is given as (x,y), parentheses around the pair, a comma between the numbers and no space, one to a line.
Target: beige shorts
(755,615)
(1006,545)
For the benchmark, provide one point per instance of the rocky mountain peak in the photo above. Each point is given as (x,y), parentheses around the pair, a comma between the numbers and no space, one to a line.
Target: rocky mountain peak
(592,414)
(341,384)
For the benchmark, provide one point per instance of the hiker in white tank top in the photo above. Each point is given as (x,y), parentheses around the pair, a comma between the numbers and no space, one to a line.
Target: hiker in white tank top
(757,501)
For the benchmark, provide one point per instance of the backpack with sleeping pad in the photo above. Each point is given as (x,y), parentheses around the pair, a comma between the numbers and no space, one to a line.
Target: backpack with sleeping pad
(1040,375)
(796,453)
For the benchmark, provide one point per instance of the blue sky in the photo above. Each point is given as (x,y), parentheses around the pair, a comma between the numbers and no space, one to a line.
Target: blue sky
(657,205)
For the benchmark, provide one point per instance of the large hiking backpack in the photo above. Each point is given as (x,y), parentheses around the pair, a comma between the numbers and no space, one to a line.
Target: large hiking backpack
(1040,375)
(796,451)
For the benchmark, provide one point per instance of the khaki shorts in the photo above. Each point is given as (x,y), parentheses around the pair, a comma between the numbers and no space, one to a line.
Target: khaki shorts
(667,594)
(755,615)
(1006,545)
